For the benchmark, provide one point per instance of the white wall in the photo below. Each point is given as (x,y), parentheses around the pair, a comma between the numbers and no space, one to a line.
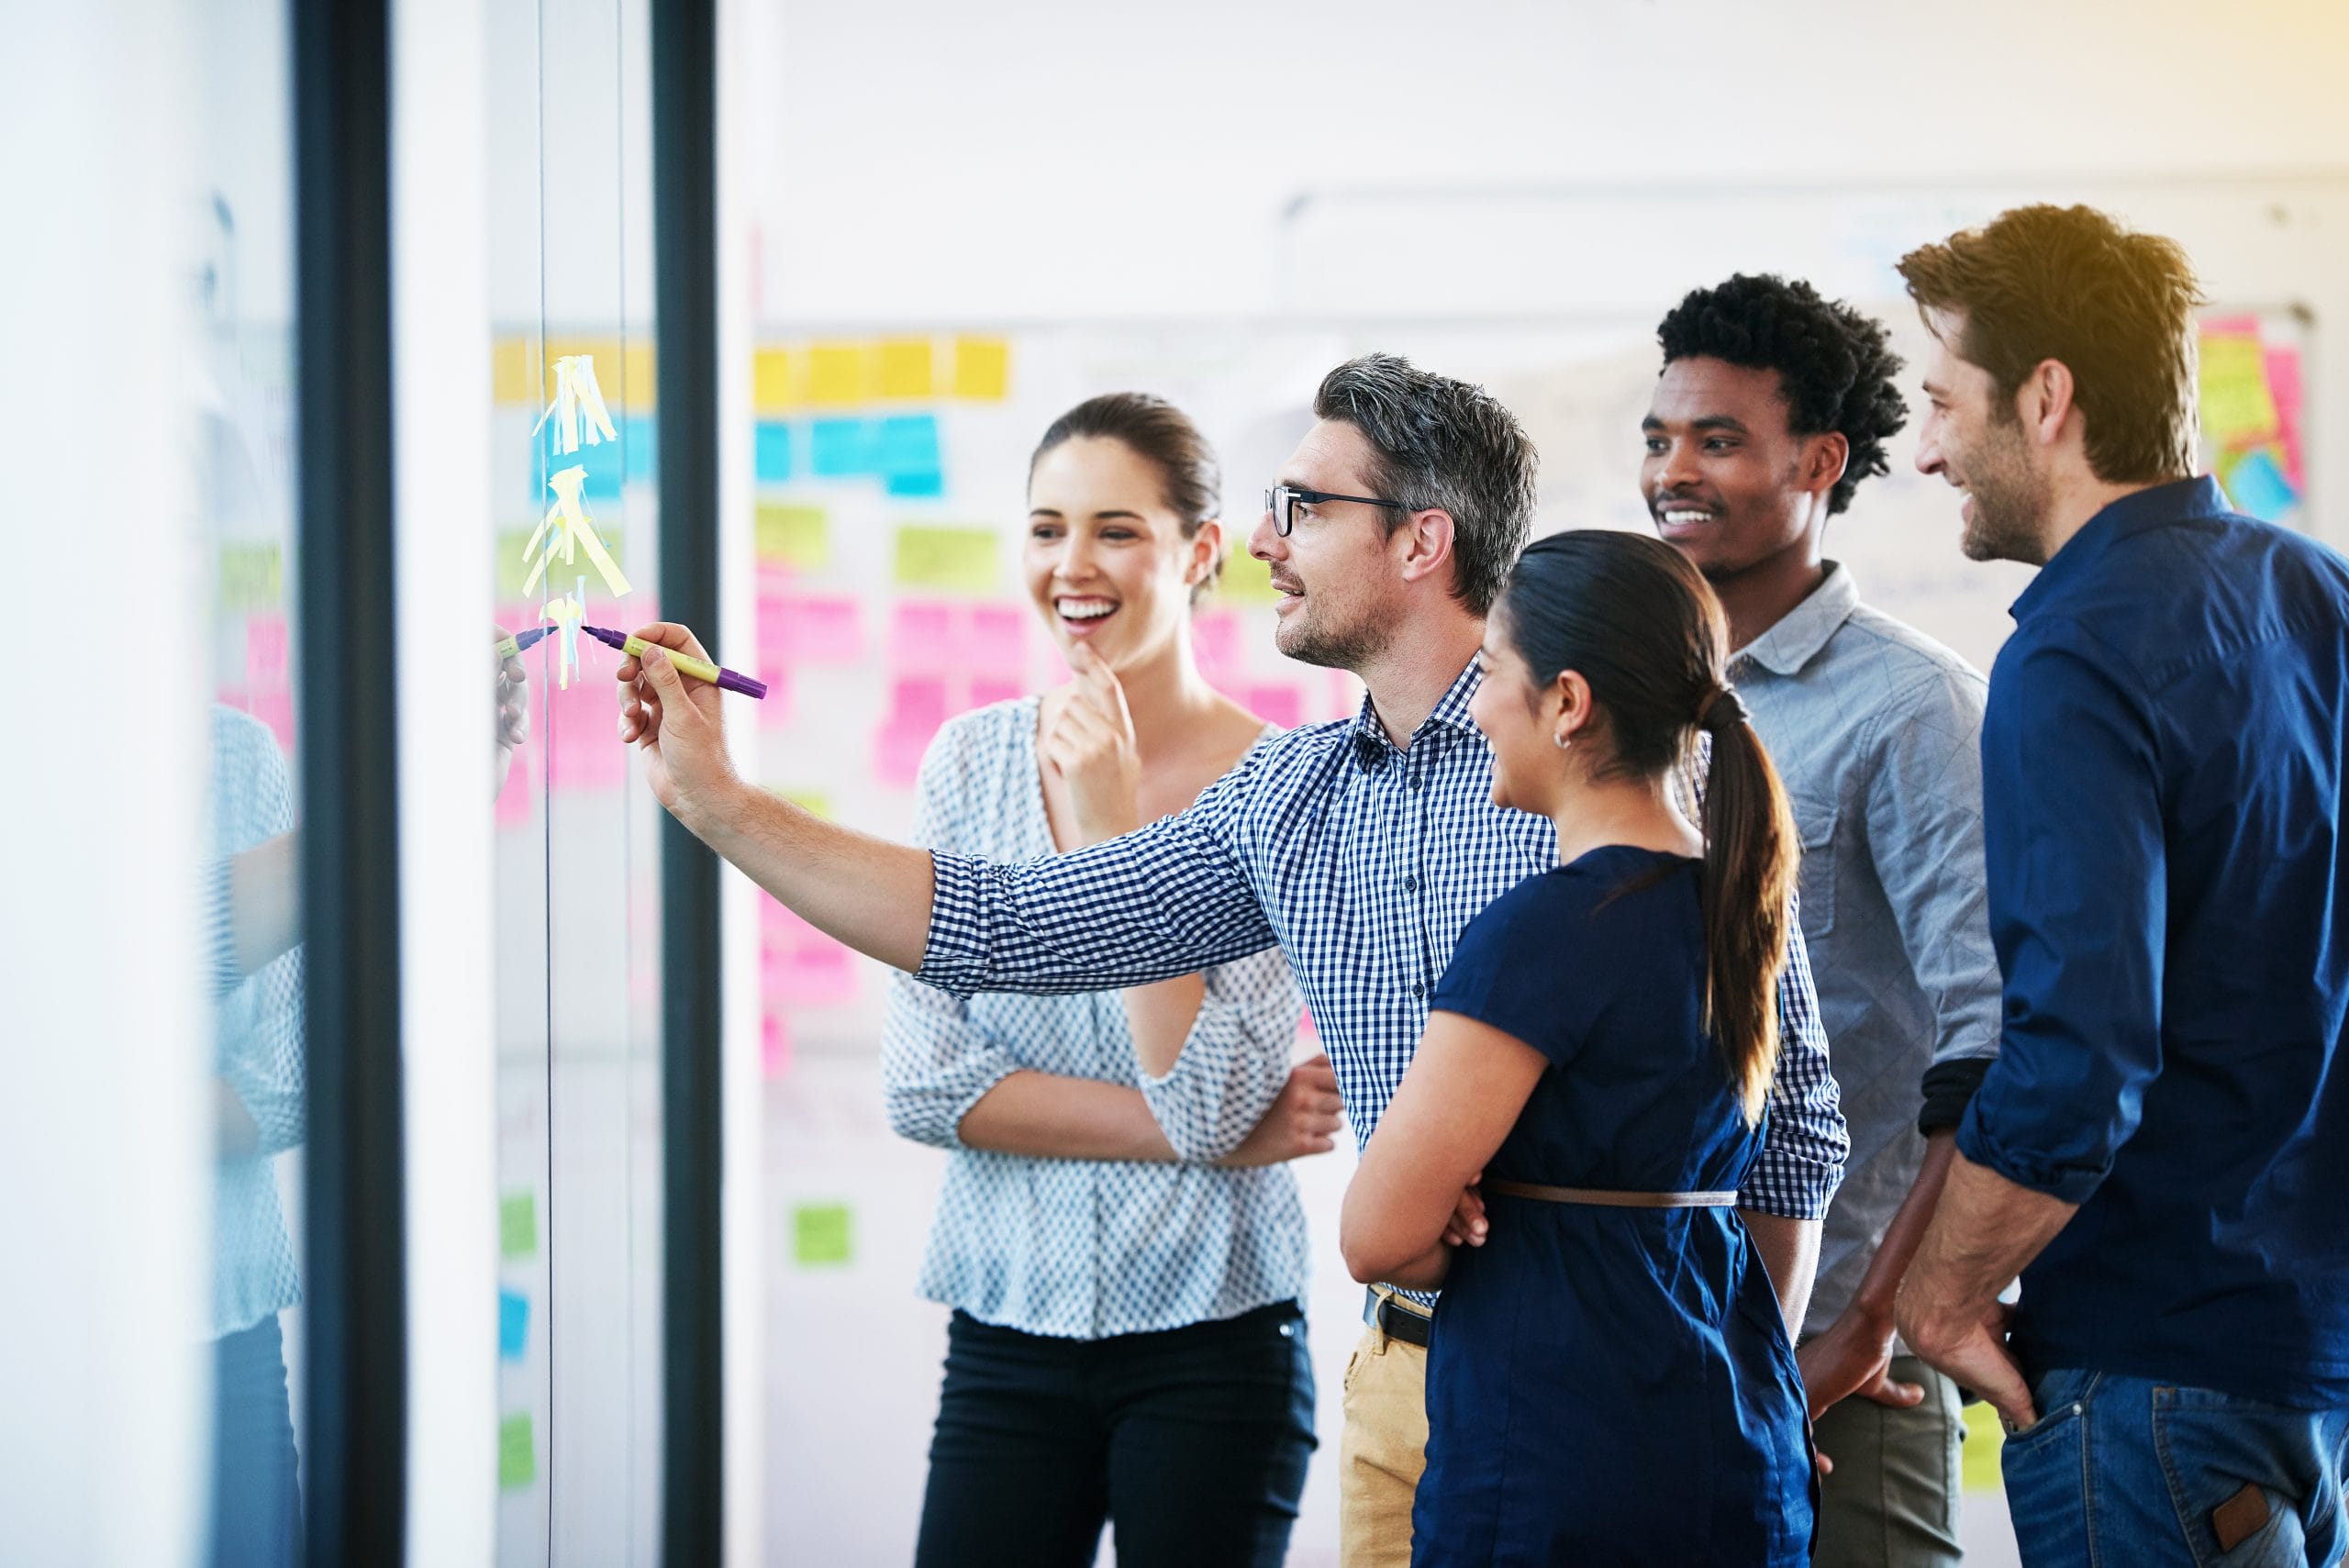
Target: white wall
(1055,158)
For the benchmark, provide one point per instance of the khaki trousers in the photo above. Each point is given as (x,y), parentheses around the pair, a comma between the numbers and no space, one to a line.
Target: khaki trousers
(1892,1501)
(1382,1450)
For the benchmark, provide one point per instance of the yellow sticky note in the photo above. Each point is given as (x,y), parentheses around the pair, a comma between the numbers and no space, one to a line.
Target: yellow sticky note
(640,376)
(837,375)
(982,368)
(815,802)
(906,368)
(2236,404)
(1245,580)
(517,1457)
(797,536)
(771,391)
(1984,1438)
(509,371)
(960,559)
(253,577)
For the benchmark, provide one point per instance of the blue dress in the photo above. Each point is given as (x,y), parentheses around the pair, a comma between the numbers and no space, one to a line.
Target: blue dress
(1609,1385)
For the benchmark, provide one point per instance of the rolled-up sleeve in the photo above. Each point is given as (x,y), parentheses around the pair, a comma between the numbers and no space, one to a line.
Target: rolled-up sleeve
(936,1059)
(1170,899)
(1234,1060)
(2078,904)
(1805,1144)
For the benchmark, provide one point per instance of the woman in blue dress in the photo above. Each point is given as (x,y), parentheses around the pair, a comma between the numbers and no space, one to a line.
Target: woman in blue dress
(1609,1379)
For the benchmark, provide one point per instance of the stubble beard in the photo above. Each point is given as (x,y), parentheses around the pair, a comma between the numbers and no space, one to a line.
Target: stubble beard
(2010,506)
(1332,648)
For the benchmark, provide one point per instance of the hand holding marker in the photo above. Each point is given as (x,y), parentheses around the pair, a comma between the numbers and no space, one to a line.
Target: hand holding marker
(635,647)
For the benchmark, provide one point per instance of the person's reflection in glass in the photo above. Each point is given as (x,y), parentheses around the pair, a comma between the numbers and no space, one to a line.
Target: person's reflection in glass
(259,1094)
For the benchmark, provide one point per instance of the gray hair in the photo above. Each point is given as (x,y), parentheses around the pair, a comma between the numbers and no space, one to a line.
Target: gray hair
(1445,445)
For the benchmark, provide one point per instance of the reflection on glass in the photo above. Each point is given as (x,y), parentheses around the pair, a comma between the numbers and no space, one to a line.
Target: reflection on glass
(242,384)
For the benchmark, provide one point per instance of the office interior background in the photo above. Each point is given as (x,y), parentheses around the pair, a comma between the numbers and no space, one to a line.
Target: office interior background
(340,340)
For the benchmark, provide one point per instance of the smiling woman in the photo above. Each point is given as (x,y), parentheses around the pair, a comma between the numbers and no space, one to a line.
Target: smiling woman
(1121,1242)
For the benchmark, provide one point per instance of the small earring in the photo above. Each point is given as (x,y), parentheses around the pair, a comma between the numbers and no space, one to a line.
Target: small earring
(1563,740)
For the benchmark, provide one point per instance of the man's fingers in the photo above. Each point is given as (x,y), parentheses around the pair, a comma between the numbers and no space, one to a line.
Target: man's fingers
(1898,1395)
(669,635)
(1826,1465)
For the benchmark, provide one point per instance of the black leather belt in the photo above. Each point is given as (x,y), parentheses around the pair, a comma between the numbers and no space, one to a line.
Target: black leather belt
(1397,1320)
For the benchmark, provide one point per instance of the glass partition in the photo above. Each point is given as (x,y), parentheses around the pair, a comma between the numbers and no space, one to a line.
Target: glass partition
(577,921)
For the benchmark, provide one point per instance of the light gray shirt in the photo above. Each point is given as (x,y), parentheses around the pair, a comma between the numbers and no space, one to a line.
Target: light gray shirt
(1876,729)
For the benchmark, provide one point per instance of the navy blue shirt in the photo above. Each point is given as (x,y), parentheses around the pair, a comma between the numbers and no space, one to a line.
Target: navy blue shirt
(2163,764)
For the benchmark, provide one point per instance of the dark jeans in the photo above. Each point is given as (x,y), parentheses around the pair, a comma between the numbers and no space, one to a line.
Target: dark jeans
(256,1497)
(1193,1442)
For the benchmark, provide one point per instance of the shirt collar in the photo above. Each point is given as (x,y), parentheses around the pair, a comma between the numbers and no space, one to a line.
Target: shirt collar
(1451,711)
(1802,631)
(2155,507)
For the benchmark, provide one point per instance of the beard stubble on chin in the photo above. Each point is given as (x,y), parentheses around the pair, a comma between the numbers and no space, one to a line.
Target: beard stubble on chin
(1332,648)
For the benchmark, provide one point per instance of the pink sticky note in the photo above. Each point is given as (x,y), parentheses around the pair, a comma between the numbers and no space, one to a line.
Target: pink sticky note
(822,976)
(897,758)
(775,1044)
(515,800)
(998,641)
(1305,1024)
(809,628)
(2283,364)
(1280,703)
(1215,641)
(276,710)
(775,708)
(265,669)
(925,635)
(918,705)
(583,745)
(985,691)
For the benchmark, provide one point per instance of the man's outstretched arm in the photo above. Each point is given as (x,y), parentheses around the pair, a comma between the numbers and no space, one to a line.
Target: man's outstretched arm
(1165,901)
(867,892)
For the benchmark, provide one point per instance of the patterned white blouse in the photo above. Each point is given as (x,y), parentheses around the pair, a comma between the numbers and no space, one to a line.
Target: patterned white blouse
(1081,1249)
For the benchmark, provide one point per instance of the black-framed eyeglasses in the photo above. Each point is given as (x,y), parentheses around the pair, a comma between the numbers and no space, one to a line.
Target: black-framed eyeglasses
(1282,501)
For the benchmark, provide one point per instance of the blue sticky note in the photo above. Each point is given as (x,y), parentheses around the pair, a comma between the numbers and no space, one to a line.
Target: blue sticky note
(641,443)
(905,444)
(839,448)
(2260,488)
(774,451)
(608,463)
(513,1324)
(931,484)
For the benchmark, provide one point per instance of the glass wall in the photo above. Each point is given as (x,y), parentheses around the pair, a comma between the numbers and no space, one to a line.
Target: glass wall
(578,884)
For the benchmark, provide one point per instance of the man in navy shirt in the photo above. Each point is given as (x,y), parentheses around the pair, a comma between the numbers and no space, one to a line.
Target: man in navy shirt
(2162,1147)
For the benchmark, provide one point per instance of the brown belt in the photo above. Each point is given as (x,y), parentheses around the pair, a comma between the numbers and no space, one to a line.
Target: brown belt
(1606,1197)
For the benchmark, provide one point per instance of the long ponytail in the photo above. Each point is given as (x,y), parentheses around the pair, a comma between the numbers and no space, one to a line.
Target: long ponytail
(1748,881)
(1642,627)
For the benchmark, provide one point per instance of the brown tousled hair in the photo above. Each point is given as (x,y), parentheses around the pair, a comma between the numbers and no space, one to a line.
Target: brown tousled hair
(1641,625)
(2115,308)
(1162,435)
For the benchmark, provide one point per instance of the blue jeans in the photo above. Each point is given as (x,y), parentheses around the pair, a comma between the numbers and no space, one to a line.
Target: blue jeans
(2127,1473)
(256,1486)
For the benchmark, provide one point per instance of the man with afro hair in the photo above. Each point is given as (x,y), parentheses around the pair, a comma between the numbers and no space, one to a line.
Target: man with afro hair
(1772,406)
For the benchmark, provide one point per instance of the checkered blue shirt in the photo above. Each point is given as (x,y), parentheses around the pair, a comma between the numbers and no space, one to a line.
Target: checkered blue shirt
(257,1024)
(1086,1249)
(1363,863)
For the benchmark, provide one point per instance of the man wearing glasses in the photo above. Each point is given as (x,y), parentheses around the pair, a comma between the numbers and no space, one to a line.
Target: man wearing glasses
(1362,847)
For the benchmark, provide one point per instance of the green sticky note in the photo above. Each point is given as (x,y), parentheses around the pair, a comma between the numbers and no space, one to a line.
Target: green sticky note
(514,562)
(517,1456)
(956,559)
(518,1224)
(1983,1439)
(820,1234)
(797,536)
(1245,580)
(253,577)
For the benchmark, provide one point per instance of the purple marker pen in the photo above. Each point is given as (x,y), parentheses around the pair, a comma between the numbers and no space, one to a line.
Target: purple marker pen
(636,647)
